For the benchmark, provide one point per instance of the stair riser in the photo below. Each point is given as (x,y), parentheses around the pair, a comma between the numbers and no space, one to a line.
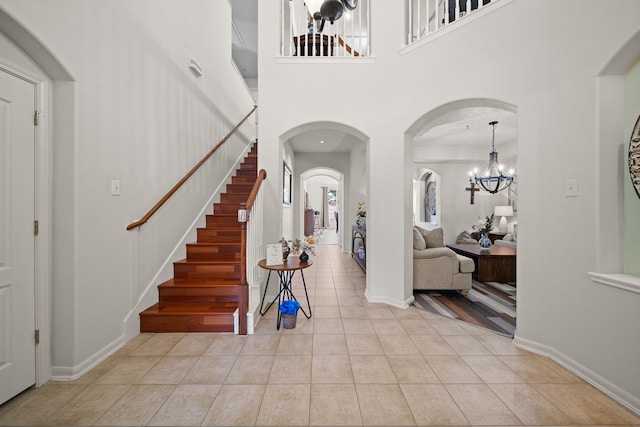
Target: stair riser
(223,221)
(225,208)
(243,180)
(239,188)
(218,236)
(214,253)
(249,166)
(247,172)
(186,323)
(234,198)
(206,271)
(199,293)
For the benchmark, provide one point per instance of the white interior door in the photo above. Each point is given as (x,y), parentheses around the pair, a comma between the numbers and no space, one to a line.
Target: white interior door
(17,240)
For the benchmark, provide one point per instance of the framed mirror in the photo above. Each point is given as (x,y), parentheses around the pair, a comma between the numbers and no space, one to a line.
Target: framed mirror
(634,157)
(286,185)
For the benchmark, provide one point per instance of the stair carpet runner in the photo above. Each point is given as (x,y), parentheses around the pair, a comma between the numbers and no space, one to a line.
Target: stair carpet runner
(204,291)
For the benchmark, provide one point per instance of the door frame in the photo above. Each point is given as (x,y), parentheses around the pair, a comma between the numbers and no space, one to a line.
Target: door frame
(42,213)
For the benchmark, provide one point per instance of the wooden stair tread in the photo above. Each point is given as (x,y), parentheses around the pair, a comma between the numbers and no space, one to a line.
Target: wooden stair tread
(198,283)
(189,308)
(205,262)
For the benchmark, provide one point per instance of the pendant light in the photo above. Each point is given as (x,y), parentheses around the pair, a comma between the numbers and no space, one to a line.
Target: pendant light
(493,178)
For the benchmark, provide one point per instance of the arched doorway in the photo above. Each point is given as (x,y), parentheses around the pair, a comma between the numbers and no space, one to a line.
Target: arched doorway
(453,140)
(333,150)
(322,192)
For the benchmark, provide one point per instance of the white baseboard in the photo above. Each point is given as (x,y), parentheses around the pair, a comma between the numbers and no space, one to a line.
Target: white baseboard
(621,396)
(250,324)
(70,373)
(390,301)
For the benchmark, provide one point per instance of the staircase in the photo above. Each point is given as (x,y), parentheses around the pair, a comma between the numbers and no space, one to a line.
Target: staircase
(205,289)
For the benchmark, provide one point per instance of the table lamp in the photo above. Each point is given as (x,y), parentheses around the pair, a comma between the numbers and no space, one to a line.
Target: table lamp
(503,212)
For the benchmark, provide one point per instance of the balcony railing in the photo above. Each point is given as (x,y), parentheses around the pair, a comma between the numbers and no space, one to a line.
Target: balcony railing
(426,17)
(307,32)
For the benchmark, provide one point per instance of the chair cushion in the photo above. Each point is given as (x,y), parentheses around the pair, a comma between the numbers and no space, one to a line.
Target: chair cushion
(433,238)
(418,240)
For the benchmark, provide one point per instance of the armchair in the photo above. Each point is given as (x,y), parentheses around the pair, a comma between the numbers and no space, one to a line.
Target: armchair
(438,267)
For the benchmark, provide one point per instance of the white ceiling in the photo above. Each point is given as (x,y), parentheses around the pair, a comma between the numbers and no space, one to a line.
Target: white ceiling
(245,36)
(469,128)
(335,141)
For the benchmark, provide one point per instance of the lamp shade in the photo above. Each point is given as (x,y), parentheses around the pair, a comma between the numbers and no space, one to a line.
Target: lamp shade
(503,211)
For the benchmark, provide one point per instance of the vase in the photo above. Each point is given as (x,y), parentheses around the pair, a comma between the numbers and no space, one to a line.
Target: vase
(361,253)
(485,241)
(361,221)
(285,253)
(304,257)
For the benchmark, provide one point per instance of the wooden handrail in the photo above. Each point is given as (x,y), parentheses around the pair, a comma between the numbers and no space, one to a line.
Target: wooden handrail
(348,48)
(262,175)
(175,188)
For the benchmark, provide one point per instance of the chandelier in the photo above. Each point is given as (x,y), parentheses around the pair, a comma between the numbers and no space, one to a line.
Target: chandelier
(493,179)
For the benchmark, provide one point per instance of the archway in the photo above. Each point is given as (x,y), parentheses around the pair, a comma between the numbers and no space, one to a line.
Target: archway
(322,191)
(331,149)
(450,141)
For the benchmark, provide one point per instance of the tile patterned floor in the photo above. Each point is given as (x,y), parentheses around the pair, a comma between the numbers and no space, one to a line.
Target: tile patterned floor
(352,363)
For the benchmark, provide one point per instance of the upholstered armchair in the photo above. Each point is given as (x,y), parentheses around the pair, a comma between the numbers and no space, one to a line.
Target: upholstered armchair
(436,266)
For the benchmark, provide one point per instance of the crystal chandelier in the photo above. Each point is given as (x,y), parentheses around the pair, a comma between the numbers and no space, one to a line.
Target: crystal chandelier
(493,178)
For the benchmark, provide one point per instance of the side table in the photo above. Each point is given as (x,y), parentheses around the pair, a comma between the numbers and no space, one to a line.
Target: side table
(285,271)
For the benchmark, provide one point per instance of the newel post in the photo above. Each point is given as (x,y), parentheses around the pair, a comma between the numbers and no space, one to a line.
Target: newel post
(243,297)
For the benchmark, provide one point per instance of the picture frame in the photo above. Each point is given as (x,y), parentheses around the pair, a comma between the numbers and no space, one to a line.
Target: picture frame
(287,179)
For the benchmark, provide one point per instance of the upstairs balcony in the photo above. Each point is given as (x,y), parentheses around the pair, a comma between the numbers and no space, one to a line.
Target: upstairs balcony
(342,28)
(325,28)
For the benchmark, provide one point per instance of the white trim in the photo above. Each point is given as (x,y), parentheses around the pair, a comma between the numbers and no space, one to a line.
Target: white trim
(325,60)
(458,23)
(389,301)
(623,397)
(250,322)
(70,373)
(42,210)
(618,280)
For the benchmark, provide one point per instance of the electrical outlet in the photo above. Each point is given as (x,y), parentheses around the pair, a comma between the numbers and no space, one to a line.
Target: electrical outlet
(571,188)
(115,187)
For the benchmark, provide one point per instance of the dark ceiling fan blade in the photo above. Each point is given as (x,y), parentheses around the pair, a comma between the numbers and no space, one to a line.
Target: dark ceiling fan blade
(350,4)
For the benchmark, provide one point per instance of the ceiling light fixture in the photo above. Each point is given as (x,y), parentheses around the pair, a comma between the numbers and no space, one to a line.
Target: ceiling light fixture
(493,179)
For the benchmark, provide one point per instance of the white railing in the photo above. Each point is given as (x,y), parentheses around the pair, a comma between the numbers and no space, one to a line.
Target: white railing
(255,252)
(304,35)
(426,17)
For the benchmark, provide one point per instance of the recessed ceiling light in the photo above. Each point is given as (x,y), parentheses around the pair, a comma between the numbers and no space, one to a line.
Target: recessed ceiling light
(321,142)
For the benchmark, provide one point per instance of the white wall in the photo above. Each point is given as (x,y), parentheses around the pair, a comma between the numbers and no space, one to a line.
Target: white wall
(548,70)
(132,112)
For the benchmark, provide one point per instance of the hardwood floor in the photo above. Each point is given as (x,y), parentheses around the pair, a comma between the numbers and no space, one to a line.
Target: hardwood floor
(491,305)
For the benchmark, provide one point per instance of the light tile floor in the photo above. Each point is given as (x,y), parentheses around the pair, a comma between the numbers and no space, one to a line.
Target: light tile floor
(352,363)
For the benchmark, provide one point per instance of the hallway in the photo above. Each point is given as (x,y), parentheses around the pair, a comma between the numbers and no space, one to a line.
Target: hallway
(352,363)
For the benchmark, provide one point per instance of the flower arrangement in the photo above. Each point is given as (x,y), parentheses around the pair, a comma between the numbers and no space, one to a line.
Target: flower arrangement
(484,226)
(306,245)
(362,210)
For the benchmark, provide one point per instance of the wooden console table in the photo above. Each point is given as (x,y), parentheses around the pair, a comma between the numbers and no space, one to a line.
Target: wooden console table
(359,235)
(496,264)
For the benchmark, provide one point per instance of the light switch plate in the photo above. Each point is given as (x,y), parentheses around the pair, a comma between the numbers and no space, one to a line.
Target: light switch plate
(115,187)
(571,188)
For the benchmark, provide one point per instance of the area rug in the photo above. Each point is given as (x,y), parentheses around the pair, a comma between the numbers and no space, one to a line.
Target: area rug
(491,305)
